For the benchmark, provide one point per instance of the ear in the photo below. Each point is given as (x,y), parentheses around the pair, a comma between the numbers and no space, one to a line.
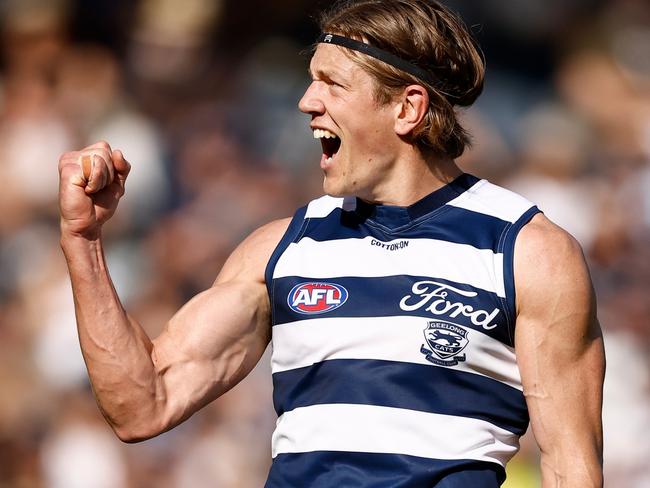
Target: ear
(411,108)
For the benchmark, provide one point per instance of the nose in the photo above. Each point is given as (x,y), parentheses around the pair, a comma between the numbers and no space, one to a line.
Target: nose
(311,102)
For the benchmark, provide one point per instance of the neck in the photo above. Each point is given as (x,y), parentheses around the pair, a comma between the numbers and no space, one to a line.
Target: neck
(413,178)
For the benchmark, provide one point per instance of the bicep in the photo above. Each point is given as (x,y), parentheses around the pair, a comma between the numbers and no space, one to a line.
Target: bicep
(561,362)
(217,338)
(559,345)
(210,345)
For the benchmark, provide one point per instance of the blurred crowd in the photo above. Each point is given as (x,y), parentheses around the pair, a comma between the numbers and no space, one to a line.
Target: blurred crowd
(201,96)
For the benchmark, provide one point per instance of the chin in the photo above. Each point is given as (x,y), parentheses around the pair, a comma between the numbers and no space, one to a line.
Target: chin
(340,190)
(332,190)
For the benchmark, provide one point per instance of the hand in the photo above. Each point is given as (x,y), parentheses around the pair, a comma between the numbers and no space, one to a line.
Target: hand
(91,183)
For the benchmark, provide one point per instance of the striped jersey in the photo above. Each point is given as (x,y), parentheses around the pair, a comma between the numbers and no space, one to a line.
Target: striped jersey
(393,341)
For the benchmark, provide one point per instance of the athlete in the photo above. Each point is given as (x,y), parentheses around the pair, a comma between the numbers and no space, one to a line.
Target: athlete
(420,316)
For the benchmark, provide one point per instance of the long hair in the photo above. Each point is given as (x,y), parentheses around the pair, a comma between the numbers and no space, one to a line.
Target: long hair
(430,36)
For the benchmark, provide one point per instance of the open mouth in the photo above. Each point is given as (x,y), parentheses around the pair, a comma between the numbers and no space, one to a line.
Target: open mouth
(329,141)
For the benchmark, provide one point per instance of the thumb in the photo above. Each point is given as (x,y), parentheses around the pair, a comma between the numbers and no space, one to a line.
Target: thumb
(121,165)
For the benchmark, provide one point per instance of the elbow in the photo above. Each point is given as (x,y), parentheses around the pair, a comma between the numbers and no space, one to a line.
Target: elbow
(133,436)
(137,432)
(132,423)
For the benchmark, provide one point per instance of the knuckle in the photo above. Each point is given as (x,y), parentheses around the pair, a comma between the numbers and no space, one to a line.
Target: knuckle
(99,159)
(105,159)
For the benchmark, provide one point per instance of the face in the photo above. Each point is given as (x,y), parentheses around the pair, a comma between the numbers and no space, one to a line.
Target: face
(356,133)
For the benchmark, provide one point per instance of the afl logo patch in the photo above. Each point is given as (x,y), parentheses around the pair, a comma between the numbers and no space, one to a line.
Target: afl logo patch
(315,297)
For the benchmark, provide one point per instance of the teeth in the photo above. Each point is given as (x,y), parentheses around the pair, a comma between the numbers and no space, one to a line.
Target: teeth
(323,133)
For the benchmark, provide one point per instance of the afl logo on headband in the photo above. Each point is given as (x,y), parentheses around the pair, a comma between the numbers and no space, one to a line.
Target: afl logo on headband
(314,297)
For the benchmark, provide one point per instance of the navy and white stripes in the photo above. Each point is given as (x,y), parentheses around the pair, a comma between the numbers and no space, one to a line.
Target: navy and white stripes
(416,369)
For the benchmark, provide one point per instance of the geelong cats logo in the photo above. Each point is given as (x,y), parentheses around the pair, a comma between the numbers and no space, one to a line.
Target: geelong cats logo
(314,298)
(446,341)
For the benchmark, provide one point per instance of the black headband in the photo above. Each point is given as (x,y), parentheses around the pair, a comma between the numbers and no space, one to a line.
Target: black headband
(379,54)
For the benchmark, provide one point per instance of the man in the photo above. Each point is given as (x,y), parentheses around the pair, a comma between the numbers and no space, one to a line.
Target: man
(419,315)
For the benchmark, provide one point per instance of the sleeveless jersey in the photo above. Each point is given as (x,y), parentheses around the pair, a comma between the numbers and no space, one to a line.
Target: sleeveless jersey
(393,357)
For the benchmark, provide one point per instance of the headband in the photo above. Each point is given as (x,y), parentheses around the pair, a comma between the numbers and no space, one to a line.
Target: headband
(380,54)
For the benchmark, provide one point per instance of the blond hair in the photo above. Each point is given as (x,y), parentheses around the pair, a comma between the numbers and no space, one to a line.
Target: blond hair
(429,35)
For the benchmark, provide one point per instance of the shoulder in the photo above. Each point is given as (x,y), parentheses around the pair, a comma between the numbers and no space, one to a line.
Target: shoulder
(549,261)
(267,236)
(250,257)
(542,245)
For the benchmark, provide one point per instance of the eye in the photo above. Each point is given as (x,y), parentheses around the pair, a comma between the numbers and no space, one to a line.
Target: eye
(333,84)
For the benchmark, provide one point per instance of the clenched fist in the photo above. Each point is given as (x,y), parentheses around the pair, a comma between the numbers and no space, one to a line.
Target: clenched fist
(91,183)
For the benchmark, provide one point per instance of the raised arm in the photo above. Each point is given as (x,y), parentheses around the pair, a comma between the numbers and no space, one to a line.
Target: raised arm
(146,387)
(560,354)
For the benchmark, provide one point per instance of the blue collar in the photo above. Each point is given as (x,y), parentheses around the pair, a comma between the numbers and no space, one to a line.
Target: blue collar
(393,216)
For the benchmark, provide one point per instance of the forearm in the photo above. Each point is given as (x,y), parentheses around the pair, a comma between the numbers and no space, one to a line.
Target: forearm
(575,469)
(116,350)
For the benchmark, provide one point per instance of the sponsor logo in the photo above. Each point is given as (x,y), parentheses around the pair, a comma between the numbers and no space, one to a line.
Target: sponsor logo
(328,38)
(434,297)
(314,297)
(390,246)
(446,341)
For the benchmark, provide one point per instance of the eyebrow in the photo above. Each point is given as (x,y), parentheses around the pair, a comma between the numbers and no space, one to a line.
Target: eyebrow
(318,72)
(327,75)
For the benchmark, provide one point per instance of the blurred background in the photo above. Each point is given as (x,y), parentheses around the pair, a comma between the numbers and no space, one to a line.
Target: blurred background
(201,96)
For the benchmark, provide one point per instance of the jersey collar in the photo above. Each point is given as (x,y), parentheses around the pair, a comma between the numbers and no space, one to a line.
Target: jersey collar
(393,216)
